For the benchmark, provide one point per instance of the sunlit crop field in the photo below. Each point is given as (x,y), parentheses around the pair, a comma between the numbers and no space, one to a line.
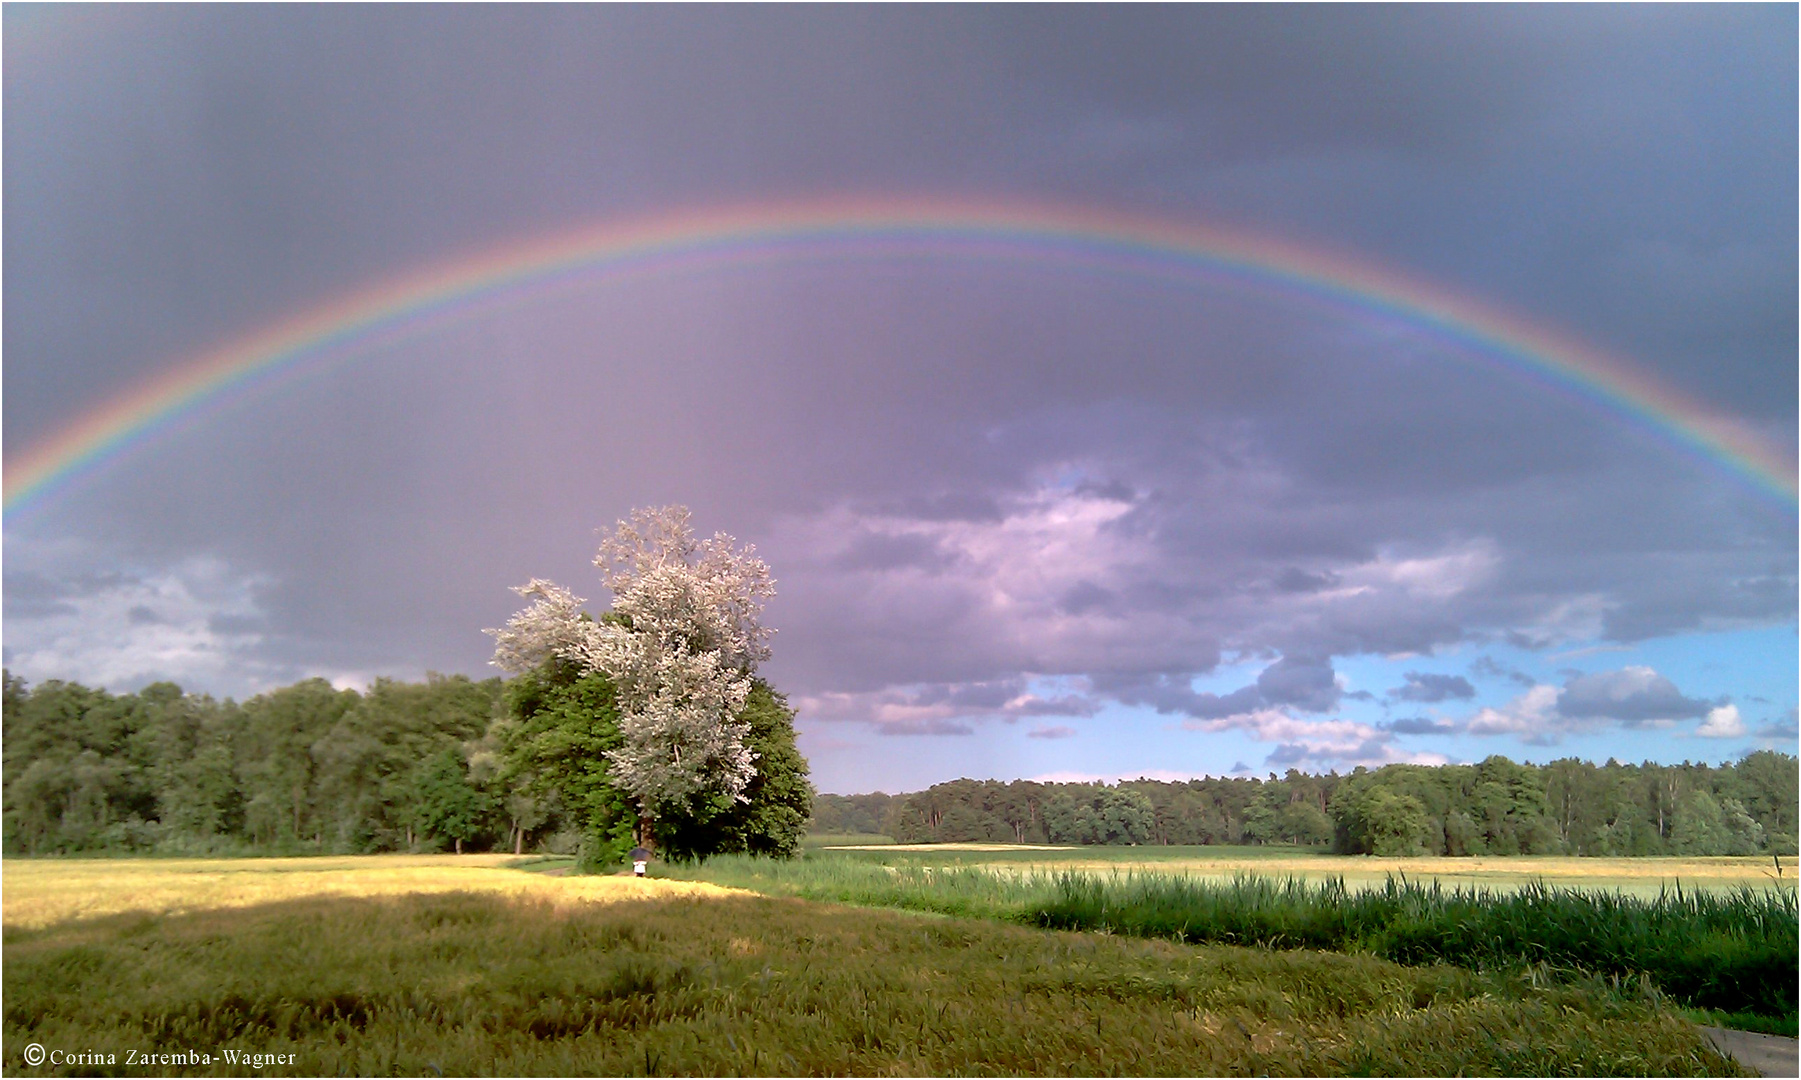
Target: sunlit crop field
(1639,877)
(38,892)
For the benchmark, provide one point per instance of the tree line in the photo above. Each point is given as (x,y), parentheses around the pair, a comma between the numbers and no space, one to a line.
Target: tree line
(448,764)
(1495,807)
(519,764)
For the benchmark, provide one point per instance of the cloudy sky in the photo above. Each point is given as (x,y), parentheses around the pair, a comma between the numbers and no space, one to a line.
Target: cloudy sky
(1026,521)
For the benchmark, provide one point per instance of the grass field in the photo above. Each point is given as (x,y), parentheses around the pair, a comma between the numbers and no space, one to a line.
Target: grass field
(458,966)
(1729,950)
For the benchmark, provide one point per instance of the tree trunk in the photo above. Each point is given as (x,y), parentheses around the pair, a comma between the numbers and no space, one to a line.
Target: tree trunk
(645,824)
(518,840)
(459,845)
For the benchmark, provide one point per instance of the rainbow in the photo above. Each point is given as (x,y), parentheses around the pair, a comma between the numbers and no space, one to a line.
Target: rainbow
(1084,238)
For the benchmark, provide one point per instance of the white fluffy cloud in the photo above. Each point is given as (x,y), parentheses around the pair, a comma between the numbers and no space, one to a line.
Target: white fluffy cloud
(1532,716)
(1633,696)
(196,623)
(1722,723)
(1303,743)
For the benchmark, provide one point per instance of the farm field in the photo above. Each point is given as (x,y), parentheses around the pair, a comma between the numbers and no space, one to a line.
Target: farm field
(453,965)
(35,893)
(1633,876)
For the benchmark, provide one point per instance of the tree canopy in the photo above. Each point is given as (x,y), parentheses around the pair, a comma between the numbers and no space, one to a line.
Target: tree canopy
(435,765)
(1496,806)
(678,650)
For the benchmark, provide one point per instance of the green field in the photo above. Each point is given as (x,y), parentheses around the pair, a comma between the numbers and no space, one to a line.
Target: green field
(411,966)
(1731,949)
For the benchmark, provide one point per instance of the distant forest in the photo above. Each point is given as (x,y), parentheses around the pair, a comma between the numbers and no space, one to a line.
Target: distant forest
(448,764)
(1497,807)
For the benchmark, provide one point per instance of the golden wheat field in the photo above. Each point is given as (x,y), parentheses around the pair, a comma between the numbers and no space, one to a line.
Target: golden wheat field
(39,892)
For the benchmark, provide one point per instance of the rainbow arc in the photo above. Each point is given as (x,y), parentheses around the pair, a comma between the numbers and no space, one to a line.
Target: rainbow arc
(1086,238)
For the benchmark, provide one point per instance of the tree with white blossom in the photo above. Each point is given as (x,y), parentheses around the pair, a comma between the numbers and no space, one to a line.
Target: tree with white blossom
(680,647)
(551,626)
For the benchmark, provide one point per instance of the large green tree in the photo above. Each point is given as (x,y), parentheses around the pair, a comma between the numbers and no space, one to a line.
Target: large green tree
(1083,814)
(563,721)
(367,762)
(773,816)
(277,768)
(678,650)
(446,804)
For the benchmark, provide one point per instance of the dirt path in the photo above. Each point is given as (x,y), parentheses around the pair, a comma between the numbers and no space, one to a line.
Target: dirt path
(1769,1055)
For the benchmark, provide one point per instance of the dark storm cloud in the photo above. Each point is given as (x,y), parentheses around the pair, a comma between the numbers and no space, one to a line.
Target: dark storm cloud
(1428,688)
(961,472)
